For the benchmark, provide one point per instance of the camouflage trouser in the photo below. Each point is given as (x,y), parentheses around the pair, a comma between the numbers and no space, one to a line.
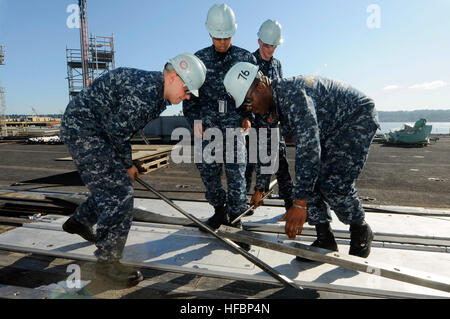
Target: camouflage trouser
(110,203)
(249,169)
(343,156)
(211,174)
(285,184)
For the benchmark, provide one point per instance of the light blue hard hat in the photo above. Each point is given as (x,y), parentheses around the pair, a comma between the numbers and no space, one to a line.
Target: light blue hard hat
(191,70)
(221,22)
(270,32)
(238,80)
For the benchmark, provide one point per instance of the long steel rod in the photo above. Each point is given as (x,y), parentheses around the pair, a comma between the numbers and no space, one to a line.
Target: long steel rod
(270,191)
(272,272)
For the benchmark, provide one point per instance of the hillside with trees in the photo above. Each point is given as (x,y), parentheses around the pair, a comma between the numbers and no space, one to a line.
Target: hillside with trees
(412,116)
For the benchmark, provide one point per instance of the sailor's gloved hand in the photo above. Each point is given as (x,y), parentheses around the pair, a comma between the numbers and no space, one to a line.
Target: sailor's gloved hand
(295,217)
(256,199)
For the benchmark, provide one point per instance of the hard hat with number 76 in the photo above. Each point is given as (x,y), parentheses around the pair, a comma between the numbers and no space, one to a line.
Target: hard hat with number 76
(238,80)
(191,70)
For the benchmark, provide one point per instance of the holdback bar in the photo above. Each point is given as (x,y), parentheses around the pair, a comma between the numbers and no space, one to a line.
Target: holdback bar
(272,272)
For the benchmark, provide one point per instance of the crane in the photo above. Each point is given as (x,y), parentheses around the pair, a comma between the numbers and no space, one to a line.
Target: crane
(35,112)
(2,92)
(2,110)
(2,54)
(84,42)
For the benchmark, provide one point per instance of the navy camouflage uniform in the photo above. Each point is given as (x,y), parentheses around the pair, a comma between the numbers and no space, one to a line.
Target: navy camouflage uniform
(96,128)
(333,126)
(273,70)
(206,108)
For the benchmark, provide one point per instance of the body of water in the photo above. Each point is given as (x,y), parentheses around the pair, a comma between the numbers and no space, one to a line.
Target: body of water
(438,127)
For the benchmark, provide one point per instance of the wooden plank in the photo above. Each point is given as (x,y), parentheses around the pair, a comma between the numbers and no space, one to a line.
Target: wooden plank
(148,155)
(14,195)
(159,148)
(148,163)
(338,259)
(138,151)
(146,168)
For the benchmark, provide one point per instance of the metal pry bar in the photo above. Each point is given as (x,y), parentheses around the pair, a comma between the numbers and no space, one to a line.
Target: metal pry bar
(269,192)
(272,272)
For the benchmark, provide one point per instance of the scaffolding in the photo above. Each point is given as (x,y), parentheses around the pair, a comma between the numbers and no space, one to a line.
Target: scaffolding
(100,59)
(2,54)
(3,129)
(94,58)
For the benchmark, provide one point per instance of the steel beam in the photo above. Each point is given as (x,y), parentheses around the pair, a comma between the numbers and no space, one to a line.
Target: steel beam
(338,259)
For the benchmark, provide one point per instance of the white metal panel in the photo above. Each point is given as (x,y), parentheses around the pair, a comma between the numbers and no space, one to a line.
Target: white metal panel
(191,249)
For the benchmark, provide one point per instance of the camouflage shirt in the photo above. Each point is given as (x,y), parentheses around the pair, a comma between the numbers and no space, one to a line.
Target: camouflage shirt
(310,109)
(273,70)
(212,93)
(116,106)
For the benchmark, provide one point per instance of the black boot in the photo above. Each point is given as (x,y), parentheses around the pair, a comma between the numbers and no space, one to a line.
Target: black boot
(71,226)
(325,239)
(115,271)
(250,213)
(220,217)
(361,237)
(238,225)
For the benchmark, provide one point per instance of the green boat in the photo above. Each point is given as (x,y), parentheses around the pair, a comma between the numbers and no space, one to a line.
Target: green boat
(410,134)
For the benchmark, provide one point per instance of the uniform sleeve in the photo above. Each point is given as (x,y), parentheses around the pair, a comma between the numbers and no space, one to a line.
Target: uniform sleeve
(115,123)
(192,109)
(281,70)
(303,120)
(122,143)
(121,124)
(262,180)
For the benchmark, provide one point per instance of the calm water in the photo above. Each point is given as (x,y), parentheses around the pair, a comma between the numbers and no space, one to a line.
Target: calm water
(438,127)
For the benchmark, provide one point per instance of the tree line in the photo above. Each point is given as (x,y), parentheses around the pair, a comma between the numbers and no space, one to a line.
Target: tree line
(412,116)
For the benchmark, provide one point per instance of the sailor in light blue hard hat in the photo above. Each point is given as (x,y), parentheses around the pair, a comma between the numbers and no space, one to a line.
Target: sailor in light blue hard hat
(269,38)
(97,128)
(221,25)
(191,70)
(215,109)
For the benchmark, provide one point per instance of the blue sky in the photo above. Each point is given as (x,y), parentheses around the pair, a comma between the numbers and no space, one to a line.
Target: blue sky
(403,64)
